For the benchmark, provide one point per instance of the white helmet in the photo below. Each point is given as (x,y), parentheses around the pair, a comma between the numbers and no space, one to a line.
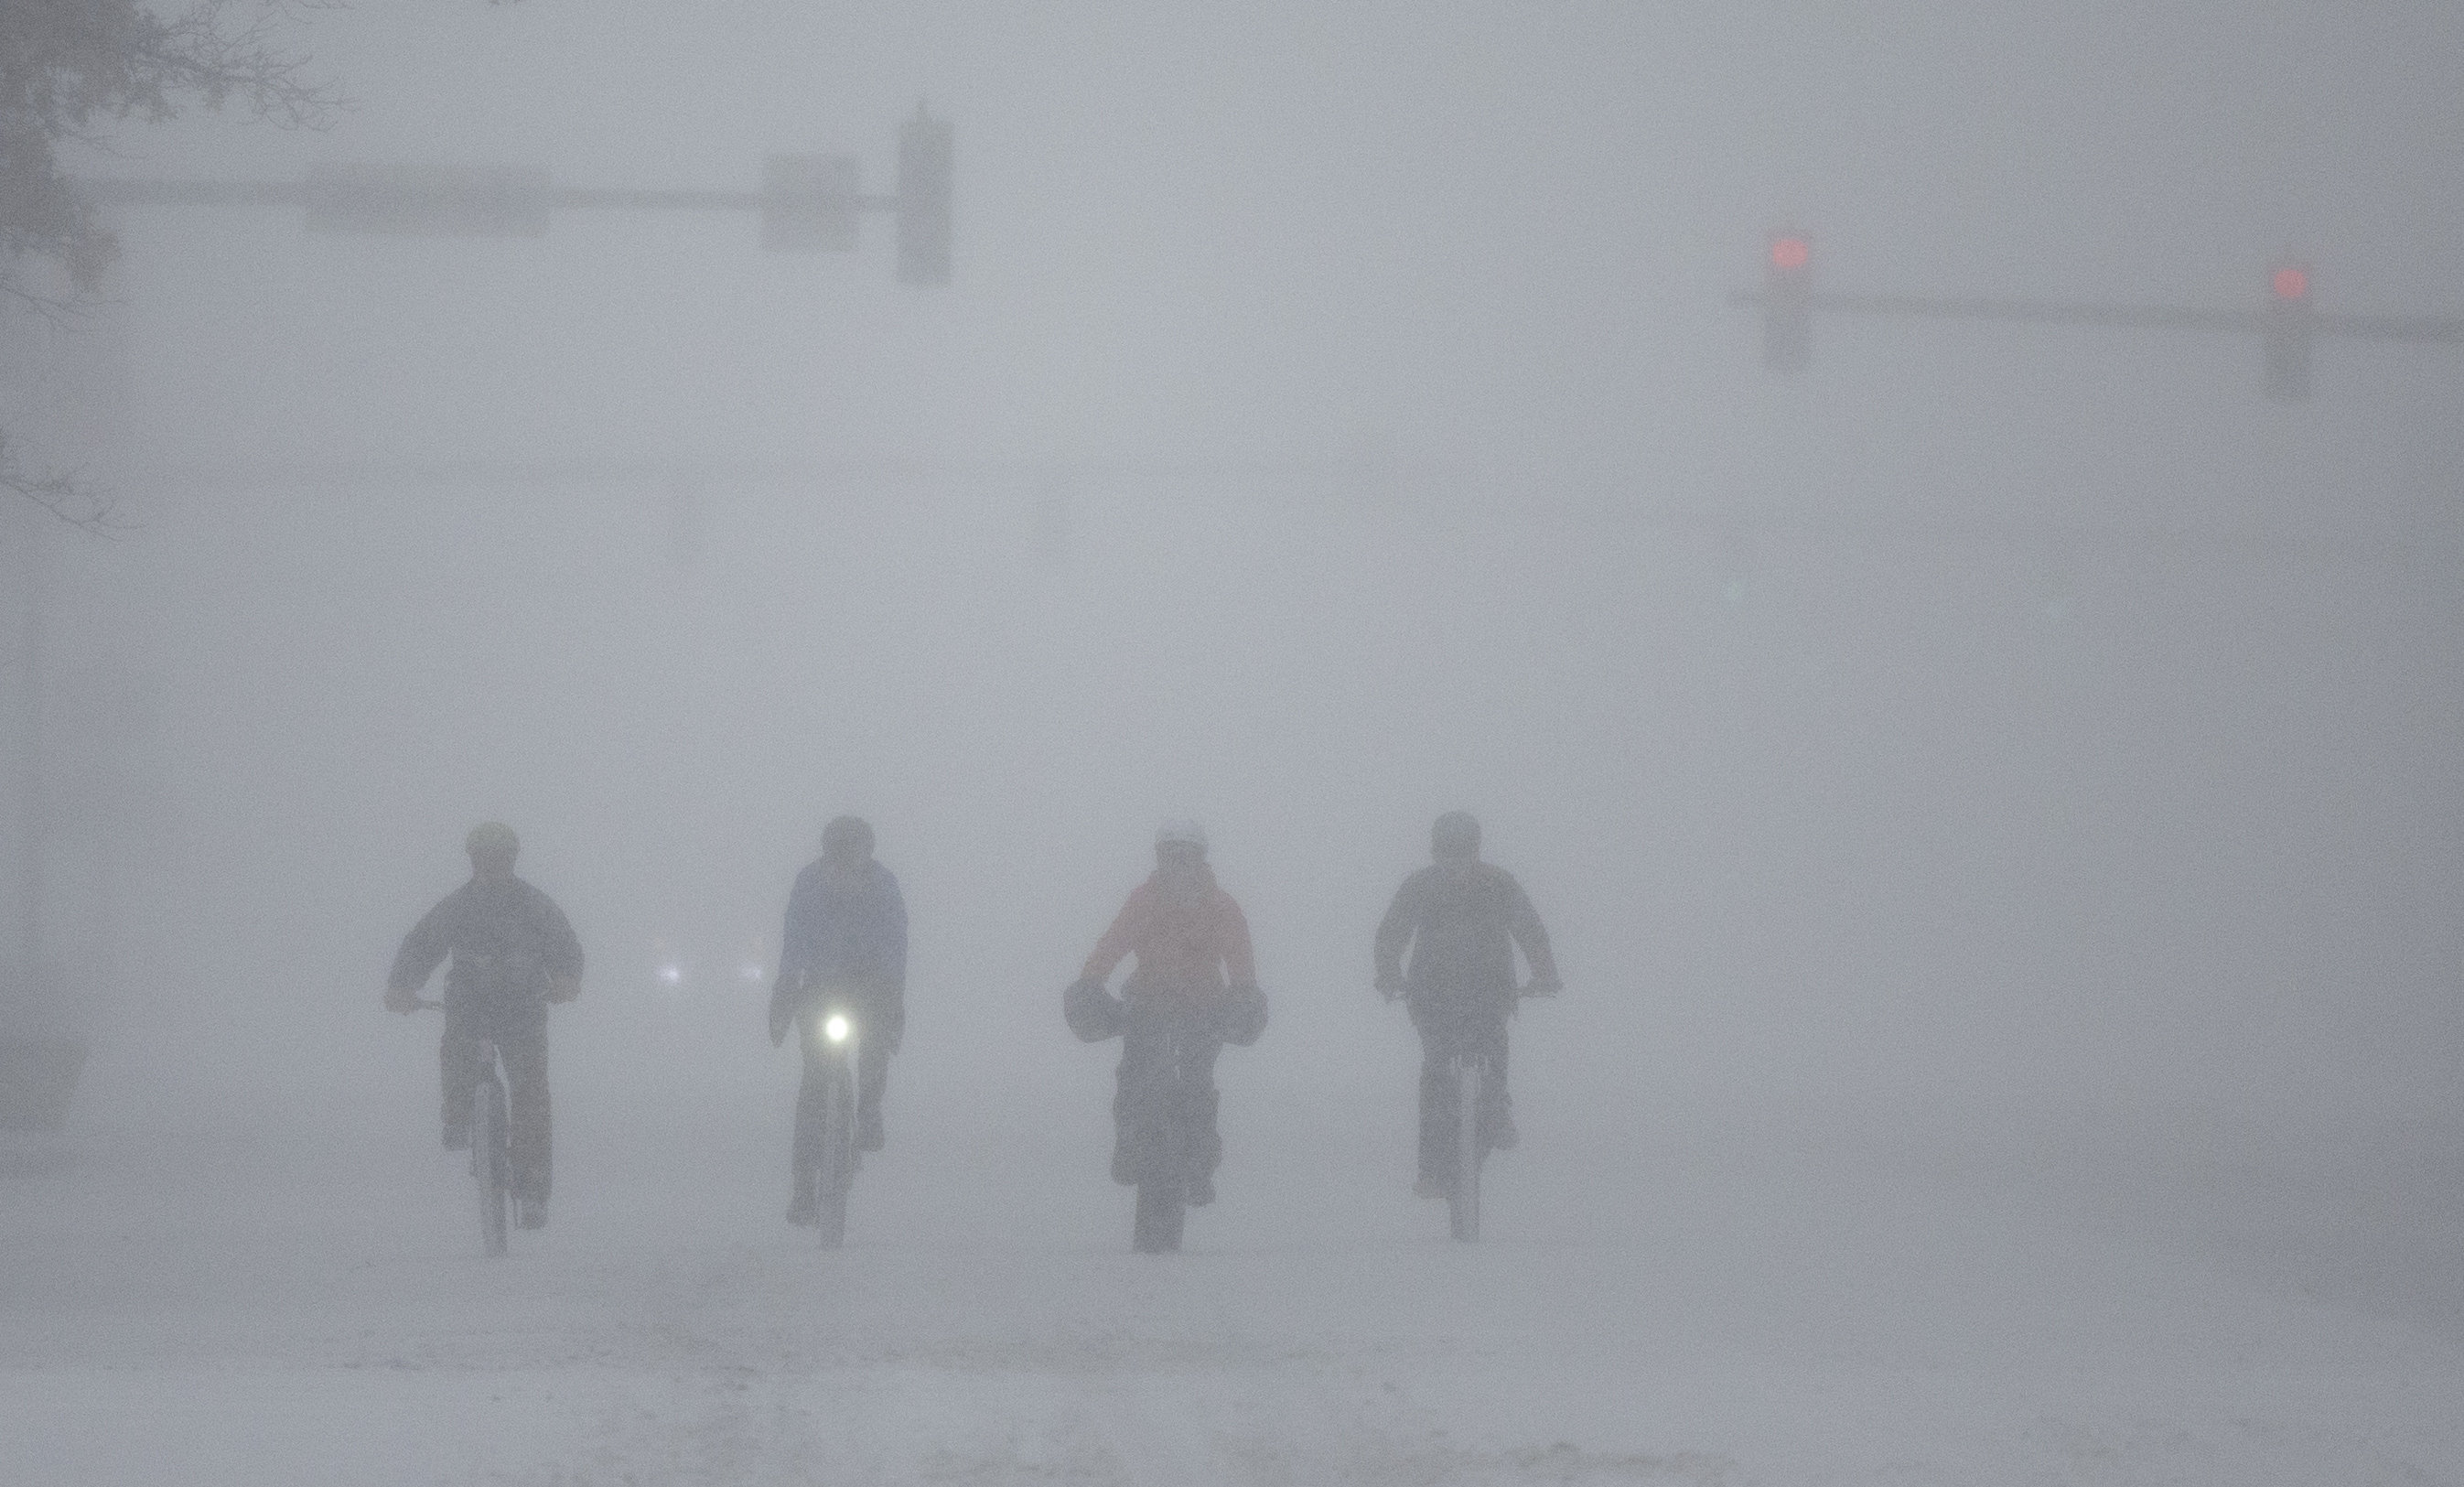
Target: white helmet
(1181,831)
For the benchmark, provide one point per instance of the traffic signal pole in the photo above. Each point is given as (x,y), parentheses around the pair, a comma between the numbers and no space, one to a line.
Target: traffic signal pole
(2288,324)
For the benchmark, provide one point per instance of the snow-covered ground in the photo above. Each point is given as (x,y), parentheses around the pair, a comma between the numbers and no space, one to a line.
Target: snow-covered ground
(1816,1301)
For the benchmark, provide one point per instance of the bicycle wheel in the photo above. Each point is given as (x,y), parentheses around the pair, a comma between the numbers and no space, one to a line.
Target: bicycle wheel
(1156,1227)
(835,1172)
(1463,1206)
(490,1160)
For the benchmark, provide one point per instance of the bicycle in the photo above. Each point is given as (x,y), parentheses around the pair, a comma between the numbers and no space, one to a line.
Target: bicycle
(491,1146)
(836,1036)
(1167,1112)
(1471,1070)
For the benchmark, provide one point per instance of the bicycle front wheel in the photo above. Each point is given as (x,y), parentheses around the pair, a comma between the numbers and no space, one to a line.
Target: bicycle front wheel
(835,1173)
(490,1162)
(1465,1207)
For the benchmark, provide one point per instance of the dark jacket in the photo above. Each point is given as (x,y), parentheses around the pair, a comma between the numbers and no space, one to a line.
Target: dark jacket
(508,941)
(844,934)
(1462,920)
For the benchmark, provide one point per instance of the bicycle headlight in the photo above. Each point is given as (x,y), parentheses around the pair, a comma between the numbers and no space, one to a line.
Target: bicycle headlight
(834,1027)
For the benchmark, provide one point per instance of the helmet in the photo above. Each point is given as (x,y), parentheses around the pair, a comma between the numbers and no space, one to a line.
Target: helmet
(1456,834)
(1092,1012)
(1241,1017)
(492,842)
(851,835)
(1181,831)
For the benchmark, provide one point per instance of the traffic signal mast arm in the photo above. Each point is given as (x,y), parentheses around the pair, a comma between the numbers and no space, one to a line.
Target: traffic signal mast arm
(126,191)
(2288,323)
(2055,312)
(806,203)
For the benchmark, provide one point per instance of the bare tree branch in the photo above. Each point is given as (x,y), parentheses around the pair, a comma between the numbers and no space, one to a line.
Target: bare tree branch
(65,494)
(71,70)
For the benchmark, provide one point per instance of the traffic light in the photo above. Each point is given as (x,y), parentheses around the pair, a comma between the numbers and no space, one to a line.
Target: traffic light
(2291,325)
(809,204)
(1788,303)
(924,162)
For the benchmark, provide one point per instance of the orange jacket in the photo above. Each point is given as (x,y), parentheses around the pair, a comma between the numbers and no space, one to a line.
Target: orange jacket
(1188,939)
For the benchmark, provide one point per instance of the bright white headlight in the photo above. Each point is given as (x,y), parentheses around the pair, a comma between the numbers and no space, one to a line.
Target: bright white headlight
(835,1028)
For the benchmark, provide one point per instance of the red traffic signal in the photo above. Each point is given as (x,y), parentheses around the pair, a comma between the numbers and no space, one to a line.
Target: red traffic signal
(2288,329)
(1788,303)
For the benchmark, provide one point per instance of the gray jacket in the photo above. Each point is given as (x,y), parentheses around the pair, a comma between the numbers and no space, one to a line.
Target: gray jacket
(1461,921)
(509,942)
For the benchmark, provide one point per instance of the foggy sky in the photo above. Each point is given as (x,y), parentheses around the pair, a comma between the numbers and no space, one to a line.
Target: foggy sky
(1935,779)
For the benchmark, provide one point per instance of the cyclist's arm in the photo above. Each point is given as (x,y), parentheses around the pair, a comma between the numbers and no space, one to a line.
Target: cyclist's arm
(1119,940)
(1239,960)
(1395,933)
(422,951)
(1523,921)
(893,913)
(794,936)
(564,956)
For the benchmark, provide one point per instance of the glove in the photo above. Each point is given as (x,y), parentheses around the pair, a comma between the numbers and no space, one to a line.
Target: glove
(564,989)
(1241,1018)
(1092,1012)
(1390,985)
(402,999)
(782,1017)
(1544,985)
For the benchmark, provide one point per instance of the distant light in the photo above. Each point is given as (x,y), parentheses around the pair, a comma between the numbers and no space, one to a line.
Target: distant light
(836,1028)
(1790,252)
(2289,284)
(672,974)
(749,971)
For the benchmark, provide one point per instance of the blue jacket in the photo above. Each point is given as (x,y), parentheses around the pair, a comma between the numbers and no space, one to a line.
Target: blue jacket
(853,934)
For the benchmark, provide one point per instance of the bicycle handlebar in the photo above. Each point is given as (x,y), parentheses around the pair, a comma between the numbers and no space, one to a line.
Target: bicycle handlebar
(1520,992)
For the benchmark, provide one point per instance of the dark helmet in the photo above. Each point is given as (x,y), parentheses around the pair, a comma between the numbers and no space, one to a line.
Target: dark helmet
(1456,834)
(493,843)
(1092,1012)
(1241,1018)
(848,836)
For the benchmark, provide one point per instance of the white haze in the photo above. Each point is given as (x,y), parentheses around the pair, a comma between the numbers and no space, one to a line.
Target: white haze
(1995,795)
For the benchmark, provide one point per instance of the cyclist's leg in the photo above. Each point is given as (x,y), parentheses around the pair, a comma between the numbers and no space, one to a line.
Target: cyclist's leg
(871,1079)
(457,1058)
(524,1051)
(1202,1083)
(1143,1047)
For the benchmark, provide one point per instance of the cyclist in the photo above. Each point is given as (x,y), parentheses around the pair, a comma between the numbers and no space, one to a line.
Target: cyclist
(513,953)
(1462,919)
(1194,987)
(847,932)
